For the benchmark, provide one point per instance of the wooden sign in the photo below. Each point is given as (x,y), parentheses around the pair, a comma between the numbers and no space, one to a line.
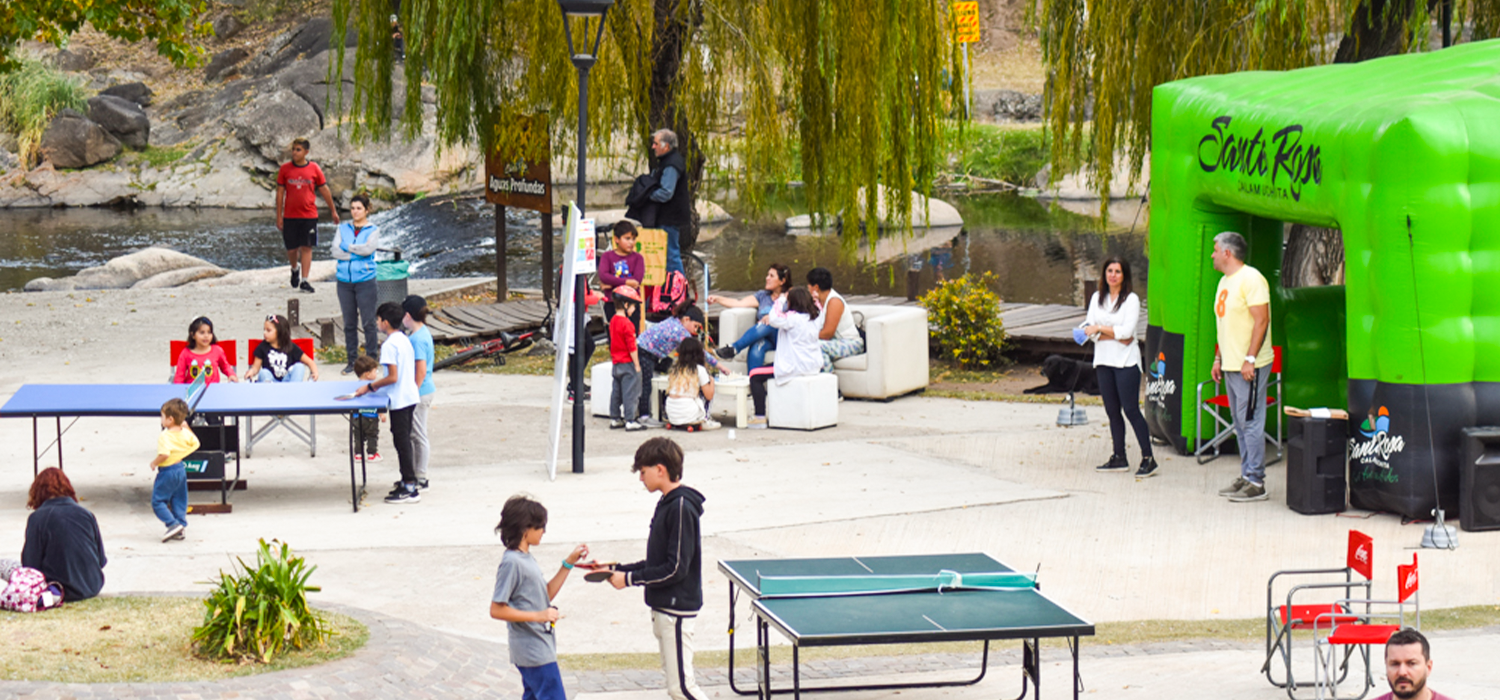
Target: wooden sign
(966,22)
(518,170)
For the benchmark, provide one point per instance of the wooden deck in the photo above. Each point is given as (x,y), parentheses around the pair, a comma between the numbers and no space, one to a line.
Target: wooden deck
(1042,329)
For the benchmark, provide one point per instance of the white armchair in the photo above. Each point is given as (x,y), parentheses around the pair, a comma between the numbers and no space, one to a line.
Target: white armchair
(895,358)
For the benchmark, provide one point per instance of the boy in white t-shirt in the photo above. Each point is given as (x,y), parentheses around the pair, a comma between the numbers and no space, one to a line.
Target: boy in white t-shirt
(400,385)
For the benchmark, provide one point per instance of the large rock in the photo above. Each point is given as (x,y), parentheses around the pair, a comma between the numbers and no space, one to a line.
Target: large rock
(121,117)
(180,276)
(270,124)
(1007,106)
(136,92)
(74,141)
(310,39)
(227,25)
(122,272)
(222,61)
(322,271)
(67,60)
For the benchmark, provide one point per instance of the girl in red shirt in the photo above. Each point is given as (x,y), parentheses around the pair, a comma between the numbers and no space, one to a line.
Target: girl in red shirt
(203,355)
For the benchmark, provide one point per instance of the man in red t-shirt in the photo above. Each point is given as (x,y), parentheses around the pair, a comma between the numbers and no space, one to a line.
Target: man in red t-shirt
(298,186)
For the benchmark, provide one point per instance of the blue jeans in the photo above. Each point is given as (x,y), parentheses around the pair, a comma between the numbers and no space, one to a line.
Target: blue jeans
(297,373)
(169,494)
(674,250)
(541,682)
(761,339)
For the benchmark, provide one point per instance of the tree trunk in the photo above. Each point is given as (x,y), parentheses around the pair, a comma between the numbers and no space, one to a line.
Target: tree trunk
(1316,260)
(676,23)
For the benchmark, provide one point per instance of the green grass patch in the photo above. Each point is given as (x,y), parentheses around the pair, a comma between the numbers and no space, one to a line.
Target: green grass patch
(1106,634)
(1013,154)
(159,156)
(138,639)
(29,97)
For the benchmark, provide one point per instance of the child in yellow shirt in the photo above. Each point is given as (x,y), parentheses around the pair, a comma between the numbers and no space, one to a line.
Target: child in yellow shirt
(169,493)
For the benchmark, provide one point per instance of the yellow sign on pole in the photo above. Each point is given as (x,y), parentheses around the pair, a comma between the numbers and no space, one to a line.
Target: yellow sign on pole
(966,22)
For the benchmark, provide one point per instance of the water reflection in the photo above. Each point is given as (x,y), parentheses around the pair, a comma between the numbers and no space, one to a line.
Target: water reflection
(1039,254)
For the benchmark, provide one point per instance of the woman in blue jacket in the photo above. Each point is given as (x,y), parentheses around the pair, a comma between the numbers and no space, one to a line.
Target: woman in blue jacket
(354,249)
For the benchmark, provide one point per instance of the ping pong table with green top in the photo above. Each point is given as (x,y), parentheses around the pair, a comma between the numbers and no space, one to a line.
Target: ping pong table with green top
(844,601)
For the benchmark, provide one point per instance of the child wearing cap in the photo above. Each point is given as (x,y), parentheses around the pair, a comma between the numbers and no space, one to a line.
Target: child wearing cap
(657,344)
(624,399)
(415,323)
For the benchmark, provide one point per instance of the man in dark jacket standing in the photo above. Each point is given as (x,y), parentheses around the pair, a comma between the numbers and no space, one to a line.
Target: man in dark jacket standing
(674,206)
(672,572)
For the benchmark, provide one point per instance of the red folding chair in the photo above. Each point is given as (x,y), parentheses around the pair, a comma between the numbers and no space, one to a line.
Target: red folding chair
(1217,406)
(175,348)
(1362,633)
(308,434)
(1283,620)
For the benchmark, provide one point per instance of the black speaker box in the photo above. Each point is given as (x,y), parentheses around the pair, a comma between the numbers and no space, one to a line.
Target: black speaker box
(1479,480)
(205,464)
(1315,465)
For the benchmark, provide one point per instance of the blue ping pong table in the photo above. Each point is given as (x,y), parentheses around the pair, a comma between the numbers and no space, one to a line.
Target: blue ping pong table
(58,401)
(896,599)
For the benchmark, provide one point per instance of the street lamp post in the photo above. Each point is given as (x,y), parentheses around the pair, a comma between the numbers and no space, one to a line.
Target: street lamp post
(584,56)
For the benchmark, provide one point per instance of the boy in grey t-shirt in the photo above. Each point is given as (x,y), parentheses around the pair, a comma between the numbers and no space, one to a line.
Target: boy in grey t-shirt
(523,597)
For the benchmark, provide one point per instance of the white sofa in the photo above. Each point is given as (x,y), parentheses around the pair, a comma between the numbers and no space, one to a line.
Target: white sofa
(895,358)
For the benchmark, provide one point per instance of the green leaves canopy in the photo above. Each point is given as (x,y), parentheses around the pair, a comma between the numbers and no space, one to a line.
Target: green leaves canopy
(1115,51)
(850,91)
(172,24)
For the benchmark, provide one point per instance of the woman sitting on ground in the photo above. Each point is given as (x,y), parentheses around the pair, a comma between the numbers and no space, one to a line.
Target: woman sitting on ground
(797,350)
(62,537)
(689,388)
(761,337)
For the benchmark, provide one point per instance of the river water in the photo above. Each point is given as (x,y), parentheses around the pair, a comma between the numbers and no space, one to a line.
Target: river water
(1038,254)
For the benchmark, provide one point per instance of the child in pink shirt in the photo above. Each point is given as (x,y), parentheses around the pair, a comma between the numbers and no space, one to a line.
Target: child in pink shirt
(203,355)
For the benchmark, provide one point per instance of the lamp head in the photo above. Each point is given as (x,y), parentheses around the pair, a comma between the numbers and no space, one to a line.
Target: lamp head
(585,8)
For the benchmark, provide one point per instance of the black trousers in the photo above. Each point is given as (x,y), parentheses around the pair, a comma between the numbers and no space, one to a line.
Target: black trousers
(649,364)
(1120,387)
(401,440)
(758,392)
(588,355)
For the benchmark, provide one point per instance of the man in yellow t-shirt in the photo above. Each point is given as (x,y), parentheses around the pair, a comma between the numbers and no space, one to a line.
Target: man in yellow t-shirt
(1242,314)
(174,443)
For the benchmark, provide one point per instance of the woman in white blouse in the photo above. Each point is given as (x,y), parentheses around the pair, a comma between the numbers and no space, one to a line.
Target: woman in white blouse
(1113,314)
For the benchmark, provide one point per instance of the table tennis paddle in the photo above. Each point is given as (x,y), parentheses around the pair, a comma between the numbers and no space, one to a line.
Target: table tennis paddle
(595,564)
(597,576)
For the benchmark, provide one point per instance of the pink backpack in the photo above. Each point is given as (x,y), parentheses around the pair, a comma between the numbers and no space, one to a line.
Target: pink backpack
(28,592)
(664,300)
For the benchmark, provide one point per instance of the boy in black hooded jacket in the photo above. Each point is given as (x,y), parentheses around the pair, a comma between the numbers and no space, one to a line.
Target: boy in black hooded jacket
(672,572)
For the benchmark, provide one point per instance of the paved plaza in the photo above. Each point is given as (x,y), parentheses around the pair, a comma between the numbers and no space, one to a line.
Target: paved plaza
(914,475)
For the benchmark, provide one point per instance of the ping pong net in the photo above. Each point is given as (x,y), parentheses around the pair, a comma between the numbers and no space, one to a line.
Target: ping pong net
(872,584)
(194,392)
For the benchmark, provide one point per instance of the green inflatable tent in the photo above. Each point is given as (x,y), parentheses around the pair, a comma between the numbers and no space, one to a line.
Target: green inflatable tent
(1402,154)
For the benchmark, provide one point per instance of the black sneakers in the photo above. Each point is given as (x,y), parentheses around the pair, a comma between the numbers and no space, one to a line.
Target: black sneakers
(306,287)
(1147,470)
(296,277)
(1116,463)
(404,494)
(727,352)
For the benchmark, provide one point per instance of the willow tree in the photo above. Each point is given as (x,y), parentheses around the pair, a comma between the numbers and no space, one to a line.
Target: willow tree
(845,96)
(1103,57)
